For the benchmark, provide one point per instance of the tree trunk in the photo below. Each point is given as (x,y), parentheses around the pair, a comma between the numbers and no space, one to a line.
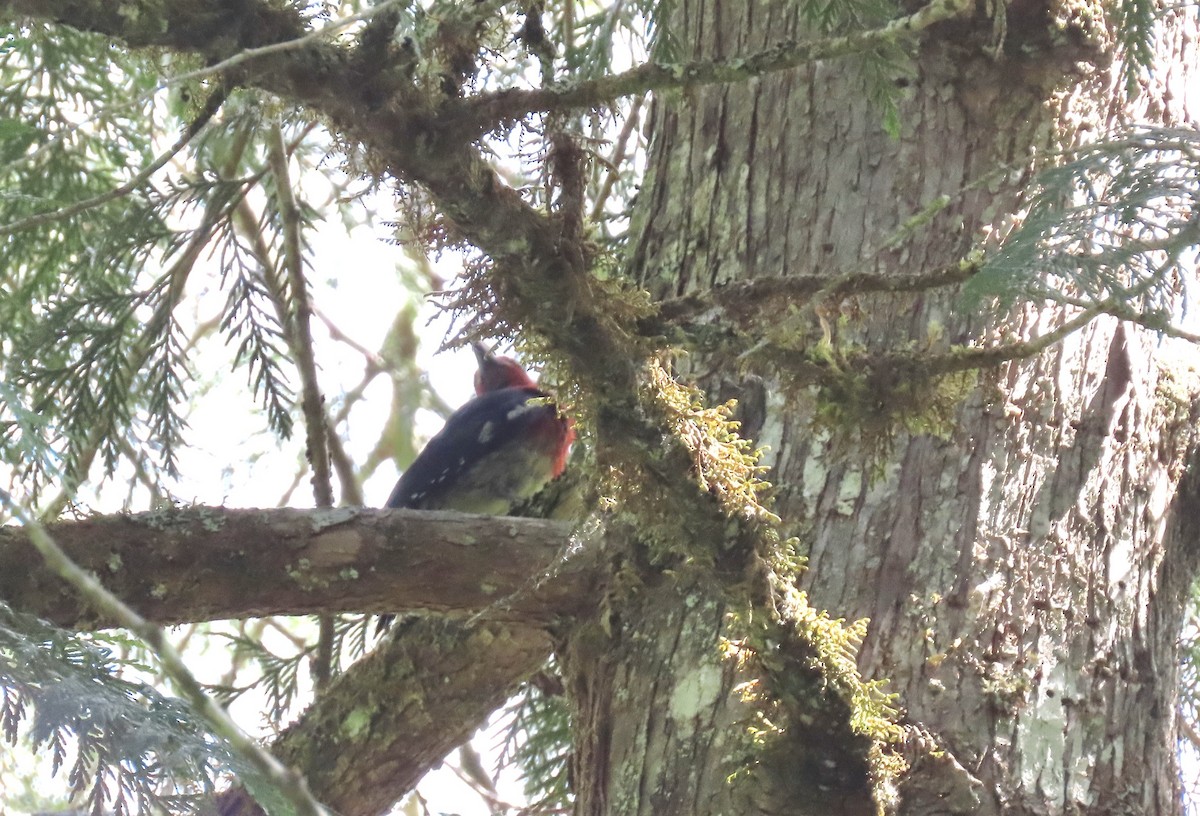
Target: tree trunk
(1024,573)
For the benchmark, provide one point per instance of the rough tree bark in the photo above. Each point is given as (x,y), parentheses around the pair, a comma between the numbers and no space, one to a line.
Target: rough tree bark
(1023,575)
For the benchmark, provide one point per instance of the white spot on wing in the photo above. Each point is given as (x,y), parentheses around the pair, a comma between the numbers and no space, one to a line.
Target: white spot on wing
(523,408)
(485,433)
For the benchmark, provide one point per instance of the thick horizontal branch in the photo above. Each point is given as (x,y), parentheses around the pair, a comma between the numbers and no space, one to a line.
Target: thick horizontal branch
(392,715)
(483,112)
(205,563)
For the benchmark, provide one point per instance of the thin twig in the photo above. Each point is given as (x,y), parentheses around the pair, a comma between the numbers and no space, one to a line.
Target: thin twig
(618,158)
(299,329)
(298,334)
(1189,730)
(140,473)
(301,472)
(374,359)
(355,394)
(343,465)
(1148,320)
(971,358)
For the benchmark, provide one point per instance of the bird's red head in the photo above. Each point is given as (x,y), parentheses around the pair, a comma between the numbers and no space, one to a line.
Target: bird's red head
(498,372)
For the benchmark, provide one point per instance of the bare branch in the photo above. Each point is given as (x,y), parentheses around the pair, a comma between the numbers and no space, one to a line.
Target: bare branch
(203,563)
(1188,729)
(343,466)
(374,359)
(618,157)
(298,324)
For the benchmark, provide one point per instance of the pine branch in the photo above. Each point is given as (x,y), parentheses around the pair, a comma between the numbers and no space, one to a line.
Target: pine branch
(211,107)
(135,750)
(245,318)
(106,374)
(98,390)
(1100,224)
(259,330)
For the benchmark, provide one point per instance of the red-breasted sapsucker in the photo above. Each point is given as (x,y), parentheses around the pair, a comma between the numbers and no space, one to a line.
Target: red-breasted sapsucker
(500,448)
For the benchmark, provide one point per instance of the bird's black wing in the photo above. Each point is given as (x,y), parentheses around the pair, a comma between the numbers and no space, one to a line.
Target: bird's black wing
(478,429)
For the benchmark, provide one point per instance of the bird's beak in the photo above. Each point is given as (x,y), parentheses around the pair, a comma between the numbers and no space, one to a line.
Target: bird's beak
(482,353)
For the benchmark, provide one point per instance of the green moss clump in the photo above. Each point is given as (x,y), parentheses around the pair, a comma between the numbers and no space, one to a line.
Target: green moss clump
(869,404)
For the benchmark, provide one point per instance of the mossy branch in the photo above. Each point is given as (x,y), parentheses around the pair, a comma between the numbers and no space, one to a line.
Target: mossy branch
(743,302)
(966,358)
(481,113)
